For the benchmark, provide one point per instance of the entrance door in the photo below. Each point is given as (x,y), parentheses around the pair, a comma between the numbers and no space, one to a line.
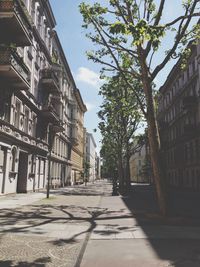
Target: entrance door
(22,173)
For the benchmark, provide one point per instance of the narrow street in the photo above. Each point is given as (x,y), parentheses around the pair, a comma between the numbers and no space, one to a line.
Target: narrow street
(86,226)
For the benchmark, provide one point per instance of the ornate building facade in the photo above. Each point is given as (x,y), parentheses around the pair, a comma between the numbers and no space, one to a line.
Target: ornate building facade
(37,94)
(91,156)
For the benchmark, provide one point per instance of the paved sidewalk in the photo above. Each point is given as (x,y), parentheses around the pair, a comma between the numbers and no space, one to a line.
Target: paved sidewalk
(41,232)
(124,239)
(86,226)
(14,201)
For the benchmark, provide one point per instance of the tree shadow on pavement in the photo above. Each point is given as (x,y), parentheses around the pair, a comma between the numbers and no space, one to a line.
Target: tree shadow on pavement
(172,238)
(41,262)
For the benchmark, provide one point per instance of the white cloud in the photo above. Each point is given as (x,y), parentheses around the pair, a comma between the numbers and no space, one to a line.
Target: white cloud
(88,76)
(89,106)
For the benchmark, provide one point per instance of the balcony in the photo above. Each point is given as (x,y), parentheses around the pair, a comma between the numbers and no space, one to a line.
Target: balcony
(58,127)
(50,81)
(50,113)
(13,70)
(74,141)
(14,23)
(190,103)
(74,136)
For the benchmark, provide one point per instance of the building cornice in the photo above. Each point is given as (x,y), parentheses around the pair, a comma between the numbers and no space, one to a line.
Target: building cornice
(80,100)
(47,8)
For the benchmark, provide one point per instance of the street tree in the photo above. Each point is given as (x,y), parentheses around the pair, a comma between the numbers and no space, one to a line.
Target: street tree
(128,35)
(86,171)
(120,118)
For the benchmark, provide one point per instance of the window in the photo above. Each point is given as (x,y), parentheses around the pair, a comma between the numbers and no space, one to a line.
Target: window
(6,115)
(13,159)
(34,124)
(42,167)
(33,10)
(26,120)
(33,163)
(35,89)
(71,113)
(39,21)
(2,153)
(193,67)
(17,114)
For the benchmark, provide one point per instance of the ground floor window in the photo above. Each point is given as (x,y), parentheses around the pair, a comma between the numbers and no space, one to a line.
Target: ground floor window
(2,156)
(13,159)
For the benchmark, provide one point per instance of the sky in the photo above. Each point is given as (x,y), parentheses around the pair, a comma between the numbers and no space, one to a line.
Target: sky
(75,45)
(86,73)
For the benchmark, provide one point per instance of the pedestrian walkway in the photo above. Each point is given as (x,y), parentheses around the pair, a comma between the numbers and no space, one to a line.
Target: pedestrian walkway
(85,226)
(40,232)
(122,239)
(17,200)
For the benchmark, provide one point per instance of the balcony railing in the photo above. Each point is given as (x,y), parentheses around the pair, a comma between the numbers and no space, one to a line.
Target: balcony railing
(49,112)
(15,23)
(50,81)
(58,126)
(13,70)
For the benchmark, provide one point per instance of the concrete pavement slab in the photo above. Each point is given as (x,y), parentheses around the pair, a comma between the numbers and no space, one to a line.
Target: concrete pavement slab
(14,201)
(141,253)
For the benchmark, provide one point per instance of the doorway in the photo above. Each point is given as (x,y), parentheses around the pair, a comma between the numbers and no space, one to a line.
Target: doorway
(22,172)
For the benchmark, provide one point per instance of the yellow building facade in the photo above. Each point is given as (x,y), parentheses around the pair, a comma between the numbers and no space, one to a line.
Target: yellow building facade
(78,146)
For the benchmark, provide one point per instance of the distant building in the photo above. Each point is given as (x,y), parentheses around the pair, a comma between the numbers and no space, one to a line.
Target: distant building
(78,141)
(179,124)
(90,156)
(98,167)
(138,162)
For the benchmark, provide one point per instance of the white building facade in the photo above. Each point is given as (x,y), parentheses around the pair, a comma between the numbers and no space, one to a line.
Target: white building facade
(91,156)
(36,99)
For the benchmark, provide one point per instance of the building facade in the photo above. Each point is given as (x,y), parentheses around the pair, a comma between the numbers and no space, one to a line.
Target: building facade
(78,143)
(98,167)
(91,156)
(140,170)
(179,124)
(36,87)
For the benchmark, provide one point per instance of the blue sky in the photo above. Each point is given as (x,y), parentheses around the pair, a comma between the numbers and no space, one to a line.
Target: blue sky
(86,73)
(75,45)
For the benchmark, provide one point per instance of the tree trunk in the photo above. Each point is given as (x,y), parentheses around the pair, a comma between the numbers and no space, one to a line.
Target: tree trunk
(154,140)
(120,173)
(128,175)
